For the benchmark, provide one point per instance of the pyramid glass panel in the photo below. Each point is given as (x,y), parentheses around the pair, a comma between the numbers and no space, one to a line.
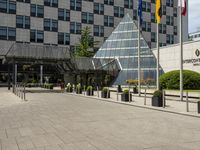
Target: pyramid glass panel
(122,45)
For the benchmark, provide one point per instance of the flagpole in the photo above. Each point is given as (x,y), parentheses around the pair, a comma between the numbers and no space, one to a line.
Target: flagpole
(139,68)
(181,54)
(158,59)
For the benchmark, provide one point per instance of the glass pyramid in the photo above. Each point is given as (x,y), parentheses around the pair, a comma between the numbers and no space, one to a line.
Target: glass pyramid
(122,45)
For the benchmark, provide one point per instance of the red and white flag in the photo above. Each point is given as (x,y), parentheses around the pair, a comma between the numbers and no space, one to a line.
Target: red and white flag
(183,4)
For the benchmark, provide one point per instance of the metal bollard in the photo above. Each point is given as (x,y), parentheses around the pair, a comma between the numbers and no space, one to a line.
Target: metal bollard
(24,92)
(129,93)
(97,91)
(145,96)
(84,90)
(187,102)
(163,98)
(107,95)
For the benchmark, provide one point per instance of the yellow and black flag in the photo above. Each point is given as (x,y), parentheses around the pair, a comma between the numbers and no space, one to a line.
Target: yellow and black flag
(158,10)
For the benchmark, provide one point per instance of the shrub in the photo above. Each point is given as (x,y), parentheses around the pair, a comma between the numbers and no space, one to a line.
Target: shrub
(89,88)
(171,80)
(78,86)
(105,89)
(157,93)
(126,91)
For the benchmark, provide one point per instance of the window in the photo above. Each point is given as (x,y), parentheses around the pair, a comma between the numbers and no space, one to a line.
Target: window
(170,20)
(98,30)
(23,22)
(109,2)
(50,25)
(25,1)
(63,14)
(153,18)
(52,3)
(153,36)
(37,36)
(64,38)
(87,18)
(170,3)
(175,30)
(108,21)
(7,33)
(175,12)
(146,6)
(7,6)
(75,5)
(164,10)
(128,4)
(37,11)
(98,8)
(75,27)
(170,39)
(162,28)
(118,11)
(135,17)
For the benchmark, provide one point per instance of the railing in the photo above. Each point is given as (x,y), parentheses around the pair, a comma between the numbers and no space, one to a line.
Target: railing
(20,90)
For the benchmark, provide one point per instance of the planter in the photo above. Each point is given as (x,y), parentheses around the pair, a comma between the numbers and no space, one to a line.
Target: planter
(69,90)
(119,89)
(135,90)
(157,101)
(104,94)
(78,91)
(90,93)
(125,97)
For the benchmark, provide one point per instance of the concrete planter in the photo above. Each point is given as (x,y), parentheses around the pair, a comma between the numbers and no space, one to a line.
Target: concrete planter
(157,101)
(90,92)
(125,97)
(104,94)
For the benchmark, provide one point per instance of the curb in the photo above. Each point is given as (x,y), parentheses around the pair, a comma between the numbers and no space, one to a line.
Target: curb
(138,106)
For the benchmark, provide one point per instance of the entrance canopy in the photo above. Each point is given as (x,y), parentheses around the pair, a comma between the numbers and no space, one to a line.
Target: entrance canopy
(28,53)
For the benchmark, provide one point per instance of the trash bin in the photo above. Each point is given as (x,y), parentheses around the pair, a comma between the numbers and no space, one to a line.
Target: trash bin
(119,89)
(198,106)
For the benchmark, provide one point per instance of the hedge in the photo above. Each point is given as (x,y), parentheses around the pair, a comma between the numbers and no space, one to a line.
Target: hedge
(171,80)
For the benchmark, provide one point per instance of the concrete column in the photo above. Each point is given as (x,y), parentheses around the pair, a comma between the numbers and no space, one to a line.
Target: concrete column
(8,77)
(41,74)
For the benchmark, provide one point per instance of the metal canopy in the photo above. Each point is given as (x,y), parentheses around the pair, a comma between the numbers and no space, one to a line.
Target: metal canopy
(24,52)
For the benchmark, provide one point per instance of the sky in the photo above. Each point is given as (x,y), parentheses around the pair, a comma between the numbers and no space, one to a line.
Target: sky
(194,15)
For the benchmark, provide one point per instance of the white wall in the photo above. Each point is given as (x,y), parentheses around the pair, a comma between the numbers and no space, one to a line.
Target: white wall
(170,56)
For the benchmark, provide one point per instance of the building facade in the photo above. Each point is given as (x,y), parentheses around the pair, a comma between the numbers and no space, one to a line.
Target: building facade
(195,36)
(59,22)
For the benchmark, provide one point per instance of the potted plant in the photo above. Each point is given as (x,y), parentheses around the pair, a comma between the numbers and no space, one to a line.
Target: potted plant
(125,96)
(157,99)
(105,93)
(134,83)
(89,91)
(78,89)
(69,88)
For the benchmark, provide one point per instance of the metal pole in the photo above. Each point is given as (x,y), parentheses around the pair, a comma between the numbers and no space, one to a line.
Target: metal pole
(139,69)
(97,91)
(15,74)
(163,98)
(129,93)
(181,54)
(107,93)
(24,92)
(84,90)
(8,77)
(41,74)
(117,94)
(145,96)
(187,102)
(158,59)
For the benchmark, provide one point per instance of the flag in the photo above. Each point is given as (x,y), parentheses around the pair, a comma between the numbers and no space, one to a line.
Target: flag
(183,4)
(140,10)
(158,10)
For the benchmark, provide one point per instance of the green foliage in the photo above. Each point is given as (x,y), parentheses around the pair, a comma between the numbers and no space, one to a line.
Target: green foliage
(126,91)
(105,89)
(170,80)
(48,86)
(86,43)
(78,86)
(89,88)
(157,93)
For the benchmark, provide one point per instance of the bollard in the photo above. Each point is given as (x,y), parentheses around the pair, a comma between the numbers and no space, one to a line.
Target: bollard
(24,93)
(84,90)
(163,98)
(98,91)
(129,93)
(187,102)
(107,94)
(117,95)
(145,96)
(198,107)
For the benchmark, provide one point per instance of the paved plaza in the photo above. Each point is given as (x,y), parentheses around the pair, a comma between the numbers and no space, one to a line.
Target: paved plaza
(60,121)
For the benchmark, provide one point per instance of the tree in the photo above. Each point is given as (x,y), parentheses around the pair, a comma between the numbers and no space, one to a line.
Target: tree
(86,43)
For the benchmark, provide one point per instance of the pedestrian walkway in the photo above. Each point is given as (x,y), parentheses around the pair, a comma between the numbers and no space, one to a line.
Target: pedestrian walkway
(60,121)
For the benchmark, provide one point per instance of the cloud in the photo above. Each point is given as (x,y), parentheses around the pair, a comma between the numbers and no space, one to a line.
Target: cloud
(194,14)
